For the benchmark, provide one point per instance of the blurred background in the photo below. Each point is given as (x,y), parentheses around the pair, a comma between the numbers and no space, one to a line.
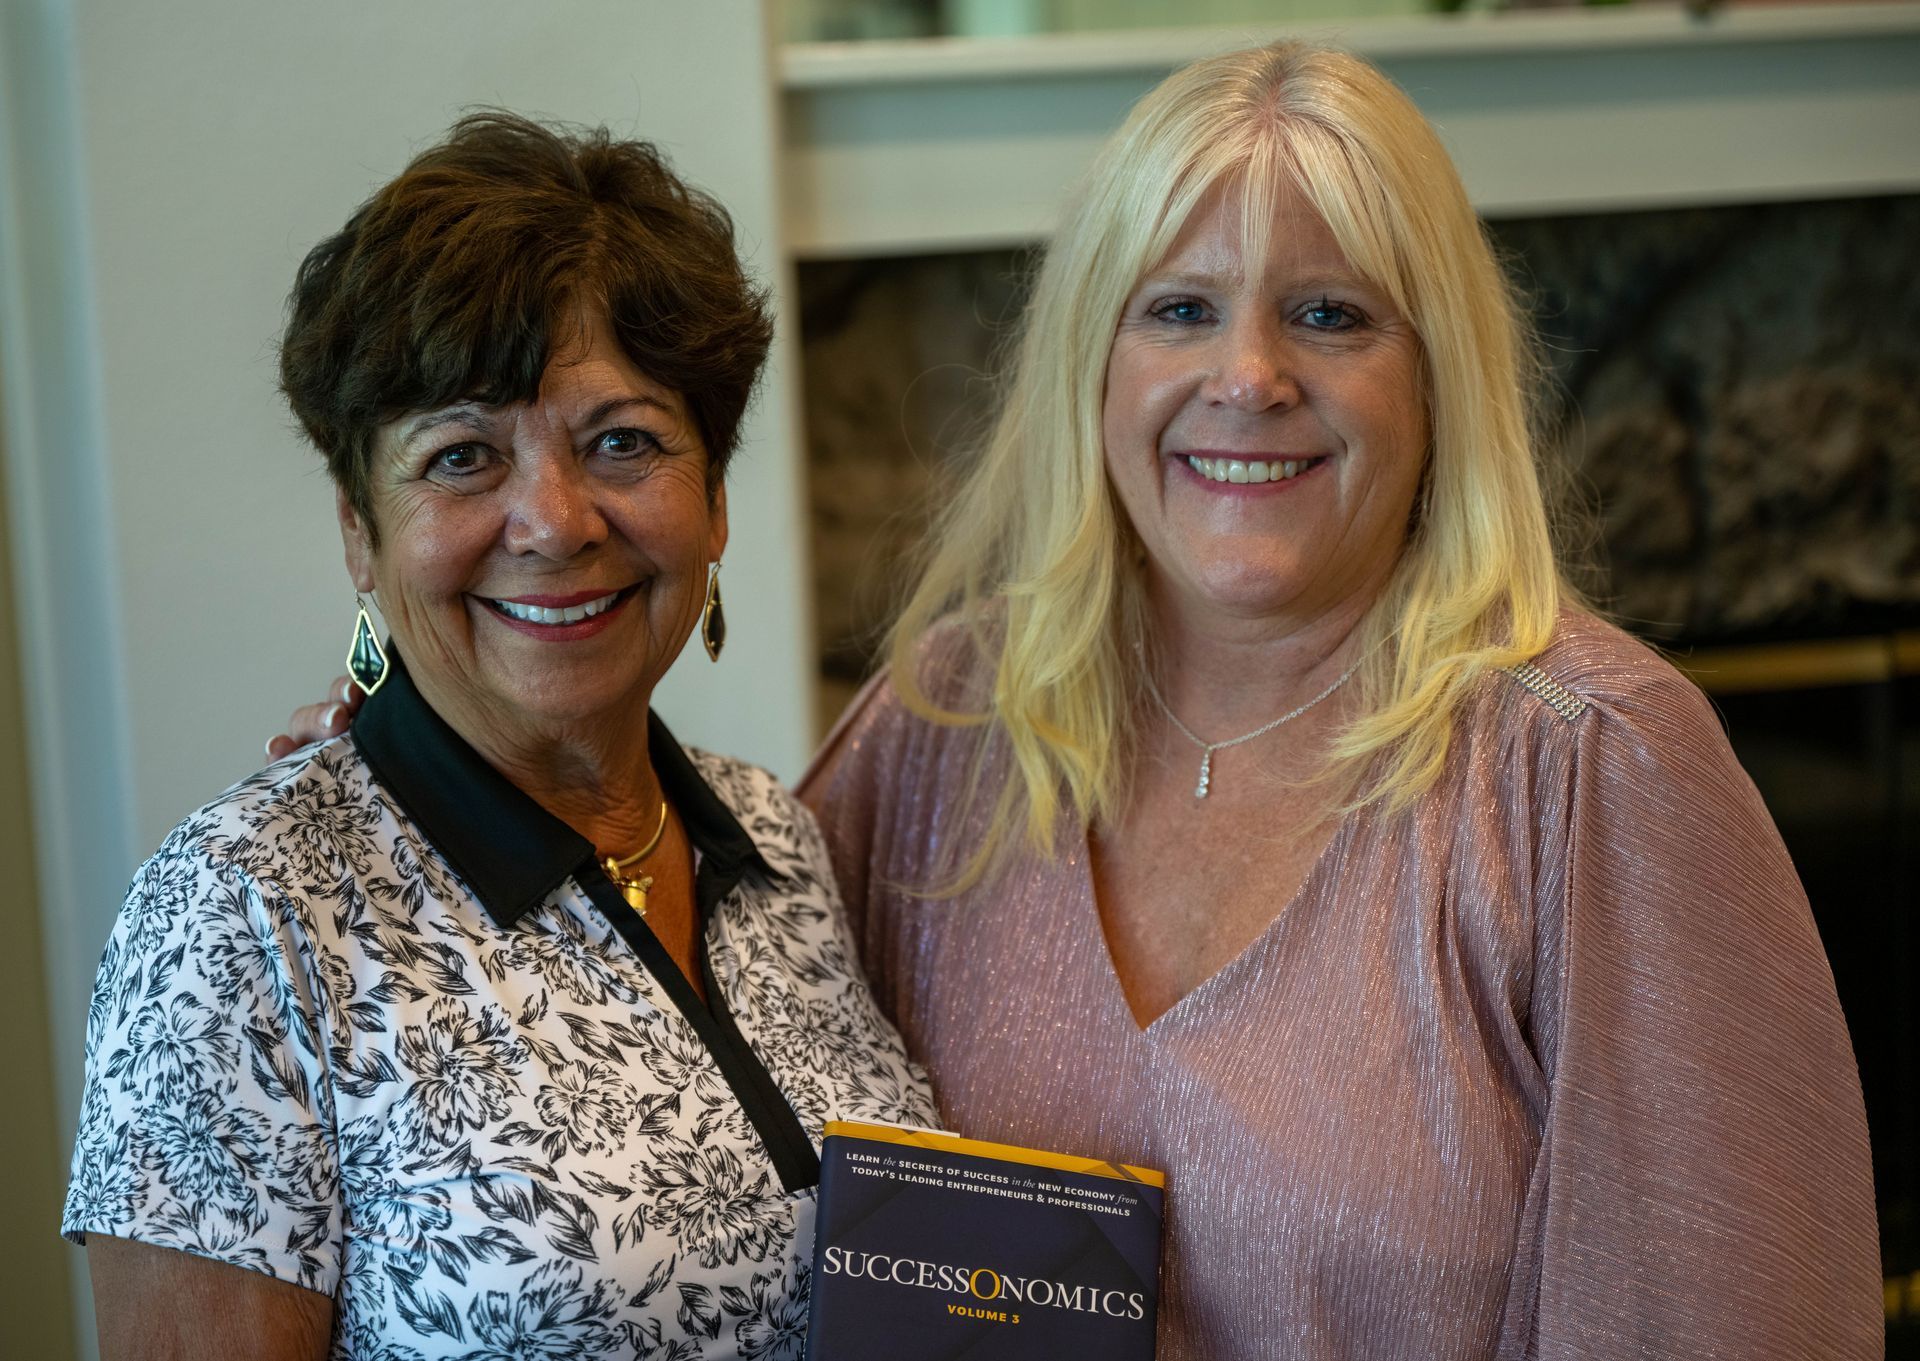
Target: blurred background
(1715,211)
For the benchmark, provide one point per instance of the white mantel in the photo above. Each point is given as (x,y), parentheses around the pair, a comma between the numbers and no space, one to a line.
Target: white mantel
(969,143)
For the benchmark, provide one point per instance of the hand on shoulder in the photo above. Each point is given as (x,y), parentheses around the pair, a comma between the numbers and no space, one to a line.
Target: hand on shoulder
(319,721)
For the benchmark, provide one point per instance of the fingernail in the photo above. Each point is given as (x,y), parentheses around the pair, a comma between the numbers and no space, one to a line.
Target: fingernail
(270,755)
(346,692)
(335,715)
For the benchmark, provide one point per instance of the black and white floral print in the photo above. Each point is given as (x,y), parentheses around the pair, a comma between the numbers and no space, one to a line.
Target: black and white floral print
(311,1053)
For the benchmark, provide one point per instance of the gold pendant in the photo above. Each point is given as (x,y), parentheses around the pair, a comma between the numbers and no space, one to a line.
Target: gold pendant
(634,889)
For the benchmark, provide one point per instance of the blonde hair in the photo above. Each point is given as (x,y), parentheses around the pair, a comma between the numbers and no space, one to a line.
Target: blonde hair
(1034,555)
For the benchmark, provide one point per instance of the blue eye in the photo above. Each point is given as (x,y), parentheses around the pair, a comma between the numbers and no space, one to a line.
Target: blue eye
(1186,311)
(1327,315)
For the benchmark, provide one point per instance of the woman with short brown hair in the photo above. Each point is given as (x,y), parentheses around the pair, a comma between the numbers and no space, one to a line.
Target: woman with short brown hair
(505,1027)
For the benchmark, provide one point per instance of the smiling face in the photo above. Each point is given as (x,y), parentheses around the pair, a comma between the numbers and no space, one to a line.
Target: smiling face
(1265,434)
(542,563)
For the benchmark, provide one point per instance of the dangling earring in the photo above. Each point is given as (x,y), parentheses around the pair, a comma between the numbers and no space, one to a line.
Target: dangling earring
(366,659)
(713,617)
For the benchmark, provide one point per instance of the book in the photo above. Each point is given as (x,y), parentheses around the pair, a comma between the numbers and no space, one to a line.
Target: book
(932,1247)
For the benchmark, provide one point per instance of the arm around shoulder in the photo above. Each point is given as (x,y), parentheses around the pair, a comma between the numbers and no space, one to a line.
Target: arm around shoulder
(846,785)
(1704,1185)
(868,783)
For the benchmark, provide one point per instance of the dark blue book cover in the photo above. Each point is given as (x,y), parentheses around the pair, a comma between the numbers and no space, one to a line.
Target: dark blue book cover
(930,1247)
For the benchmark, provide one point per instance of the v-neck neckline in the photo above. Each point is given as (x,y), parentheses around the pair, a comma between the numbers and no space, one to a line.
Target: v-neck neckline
(1237,964)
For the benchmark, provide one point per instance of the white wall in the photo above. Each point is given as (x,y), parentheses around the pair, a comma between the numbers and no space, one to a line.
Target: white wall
(181,584)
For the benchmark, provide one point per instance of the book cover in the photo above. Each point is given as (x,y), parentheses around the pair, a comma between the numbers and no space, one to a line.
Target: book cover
(931,1247)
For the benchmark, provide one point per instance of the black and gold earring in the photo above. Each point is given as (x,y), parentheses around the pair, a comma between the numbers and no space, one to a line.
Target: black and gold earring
(713,617)
(366,659)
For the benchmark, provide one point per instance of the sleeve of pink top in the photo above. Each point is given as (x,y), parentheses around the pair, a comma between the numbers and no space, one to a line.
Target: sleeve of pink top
(844,787)
(1703,1187)
(875,787)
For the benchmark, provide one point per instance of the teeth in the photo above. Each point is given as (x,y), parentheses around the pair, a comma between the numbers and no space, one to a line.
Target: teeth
(1243,470)
(542,614)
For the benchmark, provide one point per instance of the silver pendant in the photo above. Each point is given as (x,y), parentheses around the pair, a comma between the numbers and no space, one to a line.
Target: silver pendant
(1206,774)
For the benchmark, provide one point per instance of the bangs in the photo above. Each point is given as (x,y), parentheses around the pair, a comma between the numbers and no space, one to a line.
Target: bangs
(484,334)
(1258,168)
(1353,200)
(462,279)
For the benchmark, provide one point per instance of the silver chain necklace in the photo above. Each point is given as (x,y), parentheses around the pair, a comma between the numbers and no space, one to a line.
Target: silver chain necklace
(1207,749)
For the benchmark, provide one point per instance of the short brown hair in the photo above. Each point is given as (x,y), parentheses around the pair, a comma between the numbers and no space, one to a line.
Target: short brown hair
(450,284)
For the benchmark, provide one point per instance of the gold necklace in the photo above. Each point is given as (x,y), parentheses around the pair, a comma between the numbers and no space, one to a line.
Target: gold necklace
(633,887)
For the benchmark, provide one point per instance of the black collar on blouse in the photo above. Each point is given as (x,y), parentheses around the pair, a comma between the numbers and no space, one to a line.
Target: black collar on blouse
(512,853)
(508,850)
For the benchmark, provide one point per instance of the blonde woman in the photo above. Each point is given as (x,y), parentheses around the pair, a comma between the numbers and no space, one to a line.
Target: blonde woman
(1249,797)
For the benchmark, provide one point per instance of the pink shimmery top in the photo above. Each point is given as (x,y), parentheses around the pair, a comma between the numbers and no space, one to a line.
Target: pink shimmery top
(1550,1065)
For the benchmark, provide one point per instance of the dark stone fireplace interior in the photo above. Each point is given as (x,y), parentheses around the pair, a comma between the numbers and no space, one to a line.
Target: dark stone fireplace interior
(1736,413)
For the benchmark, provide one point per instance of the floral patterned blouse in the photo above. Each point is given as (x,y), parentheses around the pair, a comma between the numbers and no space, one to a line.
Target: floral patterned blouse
(373,1022)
